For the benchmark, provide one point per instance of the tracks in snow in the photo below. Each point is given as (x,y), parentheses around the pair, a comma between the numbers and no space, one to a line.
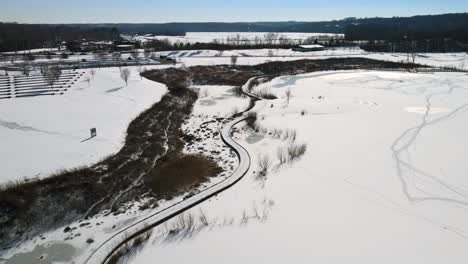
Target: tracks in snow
(403,143)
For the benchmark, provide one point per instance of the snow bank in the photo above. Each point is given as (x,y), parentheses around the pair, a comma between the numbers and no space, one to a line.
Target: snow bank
(44,134)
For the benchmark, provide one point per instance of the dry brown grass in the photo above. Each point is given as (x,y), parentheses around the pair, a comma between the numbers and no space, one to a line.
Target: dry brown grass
(181,172)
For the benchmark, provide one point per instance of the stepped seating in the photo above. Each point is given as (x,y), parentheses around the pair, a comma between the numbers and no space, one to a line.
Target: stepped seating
(35,85)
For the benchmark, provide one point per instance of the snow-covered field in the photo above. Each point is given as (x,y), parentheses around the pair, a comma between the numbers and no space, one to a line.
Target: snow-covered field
(40,135)
(383,179)
(380,182)
(207,37)
(252,57)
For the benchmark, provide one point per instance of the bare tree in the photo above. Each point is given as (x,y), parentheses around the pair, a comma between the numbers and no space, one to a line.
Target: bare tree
(93,73)
(288,95)
(270,38)
(233,60)
(413,56)
(125,75)
(100,57)
(51,74)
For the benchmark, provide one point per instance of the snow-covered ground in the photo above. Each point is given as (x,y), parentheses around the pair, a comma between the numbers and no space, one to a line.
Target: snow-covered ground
(252,57)
(346,195)
(216,102)
(40,135)
(208,37)
(383,179)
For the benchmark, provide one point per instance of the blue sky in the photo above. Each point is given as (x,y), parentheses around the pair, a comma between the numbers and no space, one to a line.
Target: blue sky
(137,11)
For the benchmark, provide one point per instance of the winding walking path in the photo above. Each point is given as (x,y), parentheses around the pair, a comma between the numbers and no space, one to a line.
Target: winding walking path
(102,253)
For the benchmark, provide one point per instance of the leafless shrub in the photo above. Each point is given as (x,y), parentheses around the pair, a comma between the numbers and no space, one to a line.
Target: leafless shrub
(203,219)
(288,95)
(264,165)
(289,134)
(266,94)
(251,119)
(244,219)
(295,151)
(282,156)
(51,74)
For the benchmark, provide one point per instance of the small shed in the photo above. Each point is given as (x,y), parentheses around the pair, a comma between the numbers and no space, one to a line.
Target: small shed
(308,48)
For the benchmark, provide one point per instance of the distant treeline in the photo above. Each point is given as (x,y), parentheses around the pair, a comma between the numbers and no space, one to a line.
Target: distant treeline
(447,29)
(172,29)
(15,36)
(434,29)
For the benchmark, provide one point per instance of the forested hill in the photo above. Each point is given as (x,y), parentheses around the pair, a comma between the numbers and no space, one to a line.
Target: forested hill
(351,26)
(453,26)
(14,36)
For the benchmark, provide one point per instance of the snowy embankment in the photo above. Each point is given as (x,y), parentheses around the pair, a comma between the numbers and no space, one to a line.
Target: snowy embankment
(44,134)
(252,57)
(382,179)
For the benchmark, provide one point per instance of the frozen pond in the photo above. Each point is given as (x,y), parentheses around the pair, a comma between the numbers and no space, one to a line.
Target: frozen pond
(383,179)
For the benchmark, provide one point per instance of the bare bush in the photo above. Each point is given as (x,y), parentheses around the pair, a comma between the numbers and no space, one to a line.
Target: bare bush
(266,94)
(295,151)
(290,153)
(203,219)
(288,95)
(282,156)
(51,74)
(289,134)
(251,119)
(264,165)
